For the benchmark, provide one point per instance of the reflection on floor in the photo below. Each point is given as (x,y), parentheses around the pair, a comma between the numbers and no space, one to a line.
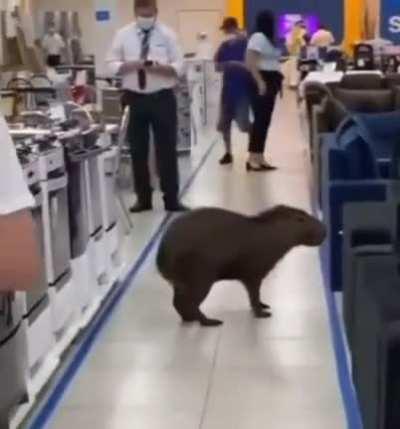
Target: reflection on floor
(147,371)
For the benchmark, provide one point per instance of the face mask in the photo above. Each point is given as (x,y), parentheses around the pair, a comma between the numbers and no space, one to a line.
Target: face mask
(146,23)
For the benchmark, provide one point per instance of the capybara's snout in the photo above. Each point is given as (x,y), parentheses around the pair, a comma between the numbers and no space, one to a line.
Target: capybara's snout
(317,234)
(312,231)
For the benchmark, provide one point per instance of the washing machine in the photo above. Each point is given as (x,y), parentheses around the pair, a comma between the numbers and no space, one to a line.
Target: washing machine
(13,356)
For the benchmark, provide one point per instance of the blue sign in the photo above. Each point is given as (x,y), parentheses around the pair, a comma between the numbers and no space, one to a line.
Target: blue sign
(103,15)
(390,21)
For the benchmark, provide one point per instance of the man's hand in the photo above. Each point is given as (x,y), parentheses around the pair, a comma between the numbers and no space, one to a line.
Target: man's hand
(161,70)
(130,67)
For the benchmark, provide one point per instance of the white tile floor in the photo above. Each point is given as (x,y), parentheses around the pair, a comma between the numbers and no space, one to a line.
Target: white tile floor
(147,371)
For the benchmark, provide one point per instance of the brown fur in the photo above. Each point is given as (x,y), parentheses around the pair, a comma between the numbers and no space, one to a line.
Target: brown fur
(209,245)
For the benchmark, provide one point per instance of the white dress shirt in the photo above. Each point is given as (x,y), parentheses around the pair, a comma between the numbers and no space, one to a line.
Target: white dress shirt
(14,192)
(53,44)
(164,49)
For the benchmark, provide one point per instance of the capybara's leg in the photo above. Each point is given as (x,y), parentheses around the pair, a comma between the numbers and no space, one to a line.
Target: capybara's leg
(260,310)
(184,306)
(187,303)
(201,294)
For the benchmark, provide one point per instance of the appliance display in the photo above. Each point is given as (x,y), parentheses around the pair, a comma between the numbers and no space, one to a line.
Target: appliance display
(37,311)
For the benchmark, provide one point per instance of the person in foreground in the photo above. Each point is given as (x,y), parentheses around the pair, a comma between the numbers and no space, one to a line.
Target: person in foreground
(20,260)
(209,245)
(263,60)
(235,97)
(147,56)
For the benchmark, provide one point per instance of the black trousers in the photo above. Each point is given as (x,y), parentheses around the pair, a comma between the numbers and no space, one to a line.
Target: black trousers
(53,60)
(157,113)
(263,109)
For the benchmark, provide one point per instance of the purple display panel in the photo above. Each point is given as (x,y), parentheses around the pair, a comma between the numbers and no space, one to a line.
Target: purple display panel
(288,20)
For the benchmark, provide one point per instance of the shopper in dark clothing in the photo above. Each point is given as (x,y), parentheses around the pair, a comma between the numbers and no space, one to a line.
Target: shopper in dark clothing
(235,99)
(263,60)
(148,57)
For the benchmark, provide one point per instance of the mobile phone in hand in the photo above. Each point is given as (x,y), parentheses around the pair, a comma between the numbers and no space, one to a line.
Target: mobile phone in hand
(148,63)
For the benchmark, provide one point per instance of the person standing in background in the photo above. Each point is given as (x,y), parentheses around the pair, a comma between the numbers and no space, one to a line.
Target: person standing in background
(20,259)
(263,60)
(322,38)
(295,42)
(235,97)
(54,46)
(147,56)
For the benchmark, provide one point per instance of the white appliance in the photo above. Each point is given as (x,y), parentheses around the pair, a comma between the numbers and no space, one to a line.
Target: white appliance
(87,291)
(37,310)
(97,242)
(13,357)
(108,170)
(62,290)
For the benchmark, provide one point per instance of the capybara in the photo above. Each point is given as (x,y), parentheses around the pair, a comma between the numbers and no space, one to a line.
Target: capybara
(208,245)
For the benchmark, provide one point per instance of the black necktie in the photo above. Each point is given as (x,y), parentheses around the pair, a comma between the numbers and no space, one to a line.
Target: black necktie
(144,53)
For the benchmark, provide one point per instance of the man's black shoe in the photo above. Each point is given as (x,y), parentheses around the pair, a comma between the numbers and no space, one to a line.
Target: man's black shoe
(141,207)
(226,159)
(176,208)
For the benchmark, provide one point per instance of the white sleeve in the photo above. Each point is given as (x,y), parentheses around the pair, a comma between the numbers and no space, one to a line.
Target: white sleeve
(61,42)
(14,192)
(175,54)
(115,57)
(256,43)
(45,42)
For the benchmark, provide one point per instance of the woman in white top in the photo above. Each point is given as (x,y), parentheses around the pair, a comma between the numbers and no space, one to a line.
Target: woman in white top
(263,61)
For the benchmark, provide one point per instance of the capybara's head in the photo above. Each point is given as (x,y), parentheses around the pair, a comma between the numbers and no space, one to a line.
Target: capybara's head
(304,229)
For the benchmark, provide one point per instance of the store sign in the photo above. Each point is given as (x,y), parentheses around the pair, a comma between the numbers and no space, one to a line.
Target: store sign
(391,20)
(103,15)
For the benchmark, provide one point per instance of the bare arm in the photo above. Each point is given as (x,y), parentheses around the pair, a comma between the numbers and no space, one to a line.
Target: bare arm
(20,260)
(252,60)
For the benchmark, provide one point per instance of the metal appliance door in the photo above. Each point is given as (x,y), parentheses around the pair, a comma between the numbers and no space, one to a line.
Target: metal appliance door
(59,228)
(39,292)
(95,198)
(13,357)
(13,365)
(111,190)
(78,207)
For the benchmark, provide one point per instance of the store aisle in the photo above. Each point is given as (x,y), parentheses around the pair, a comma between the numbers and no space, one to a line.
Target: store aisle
(147,371)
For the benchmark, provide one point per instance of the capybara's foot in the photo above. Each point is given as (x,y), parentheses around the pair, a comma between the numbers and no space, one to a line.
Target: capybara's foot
(265,306)
(262,314)
(209,323)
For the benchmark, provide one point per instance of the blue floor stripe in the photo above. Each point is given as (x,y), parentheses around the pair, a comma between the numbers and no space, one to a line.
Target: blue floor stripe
(96,326)
(349,396)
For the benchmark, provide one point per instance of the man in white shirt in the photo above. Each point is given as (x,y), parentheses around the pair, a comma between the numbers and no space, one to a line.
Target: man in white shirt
(147,56)
(19,253)
(53,45)
(323,38)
